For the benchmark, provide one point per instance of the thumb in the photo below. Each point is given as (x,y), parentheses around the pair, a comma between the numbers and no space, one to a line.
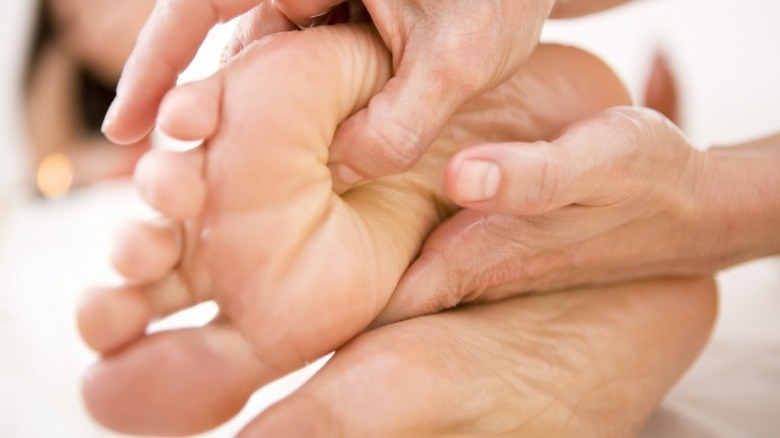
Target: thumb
(462,259)
(399,123)
(597,161)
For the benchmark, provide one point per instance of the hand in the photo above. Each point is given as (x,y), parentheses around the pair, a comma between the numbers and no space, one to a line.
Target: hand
(619,196)
(443,52)
(585,363)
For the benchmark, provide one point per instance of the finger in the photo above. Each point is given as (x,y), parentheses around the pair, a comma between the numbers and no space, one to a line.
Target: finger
(97,160)
(596,161)
(477,368)
(392,133)
(165,46)
(263,20)
(208,373)
(477,256)
(308,12)
(452,266)
(172,182)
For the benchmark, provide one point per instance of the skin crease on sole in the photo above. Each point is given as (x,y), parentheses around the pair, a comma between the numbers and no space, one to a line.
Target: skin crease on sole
(591,362)
(296,269)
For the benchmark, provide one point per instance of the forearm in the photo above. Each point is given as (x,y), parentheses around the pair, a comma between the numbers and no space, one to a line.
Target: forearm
(576,8)
(740,200)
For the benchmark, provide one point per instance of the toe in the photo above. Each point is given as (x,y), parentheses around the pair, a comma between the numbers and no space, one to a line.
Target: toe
(191,111)
(174,293)
(149,250)
(109,318)
(177,382)
(172,182)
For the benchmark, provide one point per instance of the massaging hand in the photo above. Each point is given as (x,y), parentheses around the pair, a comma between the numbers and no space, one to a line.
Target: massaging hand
(443,52)
(619,196)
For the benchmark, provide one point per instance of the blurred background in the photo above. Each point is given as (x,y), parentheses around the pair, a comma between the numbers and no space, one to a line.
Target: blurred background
(64,189)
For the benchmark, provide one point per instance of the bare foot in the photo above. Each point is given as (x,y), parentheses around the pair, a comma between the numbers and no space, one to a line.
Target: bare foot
(251,221)
(592,362)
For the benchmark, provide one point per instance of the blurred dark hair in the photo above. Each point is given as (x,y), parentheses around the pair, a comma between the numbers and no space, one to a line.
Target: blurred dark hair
(95,96)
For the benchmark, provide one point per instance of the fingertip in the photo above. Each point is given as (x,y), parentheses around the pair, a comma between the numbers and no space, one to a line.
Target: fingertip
(509,178)
(388,137)
(425,288)
(474,177)
(473,180)
(124,124)
(306,14)
(108,120)
(343,177)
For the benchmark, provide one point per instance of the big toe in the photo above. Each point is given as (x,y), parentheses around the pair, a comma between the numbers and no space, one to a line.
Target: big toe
(174,383)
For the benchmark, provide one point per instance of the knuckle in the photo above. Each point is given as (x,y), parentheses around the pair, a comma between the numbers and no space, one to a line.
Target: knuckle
(551,180)
(458,76)
(641,130)
(502,236)
(397,146)
(474,55)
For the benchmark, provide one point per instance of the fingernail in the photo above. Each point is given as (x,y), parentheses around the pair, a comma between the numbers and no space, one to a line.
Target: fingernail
(109,117)
(347,174)
(478,180)
(317,20)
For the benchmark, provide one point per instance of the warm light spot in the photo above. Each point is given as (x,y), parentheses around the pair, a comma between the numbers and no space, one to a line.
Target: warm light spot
(55,175)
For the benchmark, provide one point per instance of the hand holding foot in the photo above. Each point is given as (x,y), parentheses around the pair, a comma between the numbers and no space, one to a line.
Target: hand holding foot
(251,221)
(434,45)
(617,196)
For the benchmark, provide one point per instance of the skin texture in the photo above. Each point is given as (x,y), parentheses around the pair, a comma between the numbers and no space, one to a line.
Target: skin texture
(616,197)
(433,46)
(251,221)
(591,362)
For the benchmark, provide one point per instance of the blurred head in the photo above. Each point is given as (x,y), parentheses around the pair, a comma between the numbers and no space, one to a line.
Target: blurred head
(99,33)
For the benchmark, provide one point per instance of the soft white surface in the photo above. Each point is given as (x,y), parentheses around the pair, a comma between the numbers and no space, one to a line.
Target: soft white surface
(726,55)
(14,17)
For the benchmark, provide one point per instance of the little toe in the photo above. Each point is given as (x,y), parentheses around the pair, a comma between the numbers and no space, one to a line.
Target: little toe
(174,383)
(191,111)
(147,250)
(172,182)
(109,318)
